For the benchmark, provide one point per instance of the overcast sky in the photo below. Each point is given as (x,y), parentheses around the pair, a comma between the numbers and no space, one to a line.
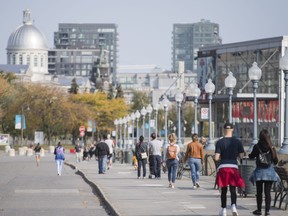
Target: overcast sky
(145,26)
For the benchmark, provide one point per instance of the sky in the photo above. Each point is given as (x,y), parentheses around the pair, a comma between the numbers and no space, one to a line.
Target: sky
(145,26)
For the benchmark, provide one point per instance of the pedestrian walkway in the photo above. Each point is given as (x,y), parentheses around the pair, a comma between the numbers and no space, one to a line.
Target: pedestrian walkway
(126,195)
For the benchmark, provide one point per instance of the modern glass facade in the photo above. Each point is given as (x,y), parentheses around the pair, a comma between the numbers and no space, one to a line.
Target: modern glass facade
(188,38)
(215,63)
(77,47)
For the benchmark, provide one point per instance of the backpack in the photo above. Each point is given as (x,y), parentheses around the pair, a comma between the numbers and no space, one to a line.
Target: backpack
(171,152)
(264,159)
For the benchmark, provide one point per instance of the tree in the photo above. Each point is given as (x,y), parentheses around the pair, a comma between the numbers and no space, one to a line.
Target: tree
(74,87)
(120,93)
(140,99)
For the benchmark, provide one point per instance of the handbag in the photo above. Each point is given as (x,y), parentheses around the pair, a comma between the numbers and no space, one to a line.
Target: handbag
(264,159)
(144,155)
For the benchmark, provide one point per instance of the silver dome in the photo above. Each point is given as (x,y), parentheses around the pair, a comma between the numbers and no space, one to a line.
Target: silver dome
(27,36)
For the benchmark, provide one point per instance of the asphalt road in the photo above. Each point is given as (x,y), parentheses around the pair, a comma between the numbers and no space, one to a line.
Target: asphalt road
(28,190)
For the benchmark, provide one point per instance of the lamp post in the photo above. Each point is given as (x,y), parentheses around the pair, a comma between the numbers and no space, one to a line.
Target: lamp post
(23,122)
(128,118)
(209,89)
(254,74)
(149,111)
(195,92)
(156,108)
(133,120)
(230,83)
(120,121)
(137,115)
(179,98)
(125,130)
(116,134)
(143,113)
(165,103)
(284,66)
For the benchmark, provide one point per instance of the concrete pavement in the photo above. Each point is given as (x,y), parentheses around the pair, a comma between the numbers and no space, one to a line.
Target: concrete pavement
(126,195)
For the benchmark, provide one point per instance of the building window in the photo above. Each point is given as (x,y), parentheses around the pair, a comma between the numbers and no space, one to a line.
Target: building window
(42,61)
(13,59)
(20,59)
(35,61)
(28,59)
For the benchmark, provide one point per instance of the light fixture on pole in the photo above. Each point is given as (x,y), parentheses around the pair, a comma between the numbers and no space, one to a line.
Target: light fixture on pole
(23,121)
(116,132)
(156,108)
(128,118)
(195,92)
(143,113)
(165,103)
(230,83)
(133,120)
(254,74)
(137,115)
(179,98)
(120,121)
(283,65)
(209,89)
(149,110)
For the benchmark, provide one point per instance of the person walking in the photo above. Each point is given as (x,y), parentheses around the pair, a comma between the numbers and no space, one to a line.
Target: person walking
(227,150)
(37,150)
(110,143)
(171,159)
(141,153)
(155,147)
(59,157)
(264,174)
(102,152)
(78,152)
(195,156)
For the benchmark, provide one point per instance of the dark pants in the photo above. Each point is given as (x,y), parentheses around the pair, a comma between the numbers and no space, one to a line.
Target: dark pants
(172,165)
(224,196)
(141,163)
(267,192)
(157,165)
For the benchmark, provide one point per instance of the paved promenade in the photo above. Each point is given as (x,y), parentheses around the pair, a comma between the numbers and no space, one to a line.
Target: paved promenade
(126,195)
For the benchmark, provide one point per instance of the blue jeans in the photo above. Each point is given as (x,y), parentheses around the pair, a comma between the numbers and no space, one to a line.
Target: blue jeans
(195,166)
(141,163)
(157,165)
(102,163)
(59,163)
(172,166)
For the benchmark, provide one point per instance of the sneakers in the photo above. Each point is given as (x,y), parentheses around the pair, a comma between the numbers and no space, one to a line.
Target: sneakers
(197,184)
(223,212)
(194,186)
(234,210)
(256,212)
(170,185)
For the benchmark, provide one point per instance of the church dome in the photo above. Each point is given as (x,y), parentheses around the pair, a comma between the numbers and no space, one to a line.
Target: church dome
(27,36)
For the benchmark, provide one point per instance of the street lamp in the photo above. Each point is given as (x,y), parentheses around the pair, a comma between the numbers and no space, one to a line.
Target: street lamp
(165,103)
(128,118)
(195,92)
(254,74)
(283,64)
(143,113)
(116,134)
(125,129)
(120,121)
(156,108)
(209,89)
(137,115)
(179,98)
(230,83)
(133,120)
(149,110)
(23,122)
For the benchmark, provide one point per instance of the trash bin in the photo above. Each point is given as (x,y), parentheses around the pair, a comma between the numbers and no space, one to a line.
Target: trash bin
(246,170)
(128,156)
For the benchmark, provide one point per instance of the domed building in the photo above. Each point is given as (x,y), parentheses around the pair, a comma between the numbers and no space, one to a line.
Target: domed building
(28,46)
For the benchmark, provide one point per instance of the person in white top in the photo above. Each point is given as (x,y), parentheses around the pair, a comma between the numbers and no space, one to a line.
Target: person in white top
(155,149)
(110,143)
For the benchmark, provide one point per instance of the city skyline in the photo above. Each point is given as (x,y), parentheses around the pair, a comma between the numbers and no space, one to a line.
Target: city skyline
(145,28)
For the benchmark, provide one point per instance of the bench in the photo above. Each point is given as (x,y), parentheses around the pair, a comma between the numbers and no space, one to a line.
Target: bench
(281,189)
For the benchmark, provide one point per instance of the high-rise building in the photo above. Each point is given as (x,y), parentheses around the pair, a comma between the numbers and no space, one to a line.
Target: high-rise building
(188,38)
(79,45)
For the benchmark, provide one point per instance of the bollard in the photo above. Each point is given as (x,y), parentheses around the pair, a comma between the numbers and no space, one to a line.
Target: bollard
(22,151)
(51,149)
(12,152)
(7,148)
(29,152)
(42,152)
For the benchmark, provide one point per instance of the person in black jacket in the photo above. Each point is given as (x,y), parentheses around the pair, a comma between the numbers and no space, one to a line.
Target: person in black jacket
(263,175)
(102,152)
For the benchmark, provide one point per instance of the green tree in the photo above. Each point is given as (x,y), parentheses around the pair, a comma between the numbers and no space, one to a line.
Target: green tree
(74,87)
(140,99)
(119,93)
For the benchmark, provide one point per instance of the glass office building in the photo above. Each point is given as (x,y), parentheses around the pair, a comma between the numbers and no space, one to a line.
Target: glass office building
(187,38)
(78,46)
(215,62)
